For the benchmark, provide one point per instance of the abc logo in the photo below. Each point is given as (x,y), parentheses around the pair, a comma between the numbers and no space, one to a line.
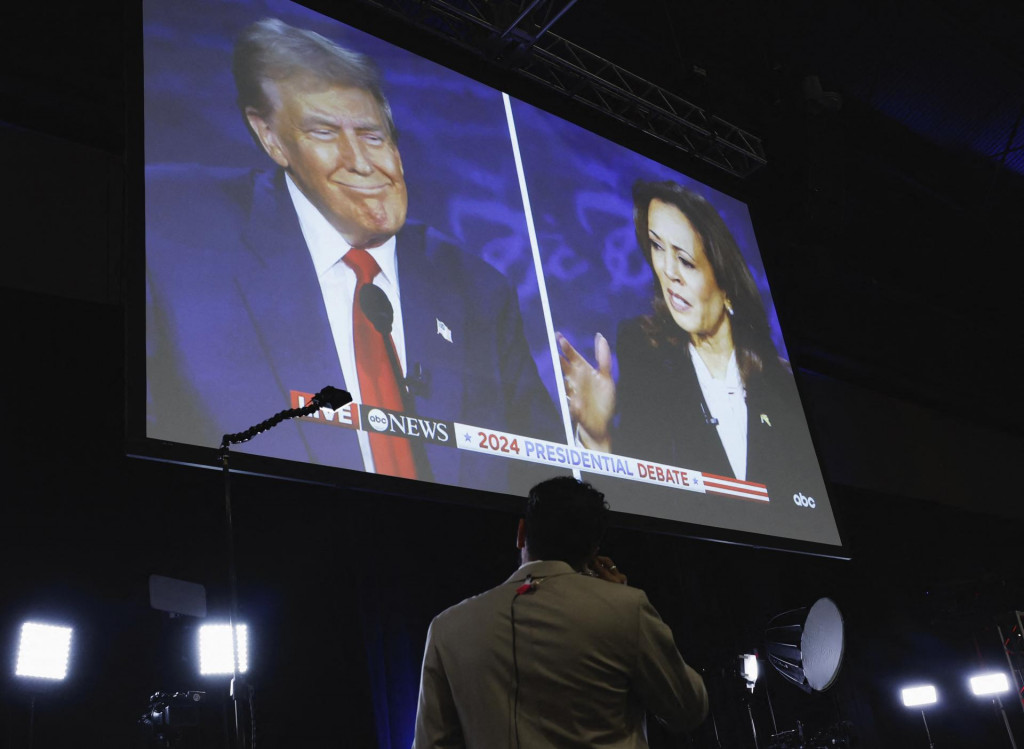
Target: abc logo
(801,501)
(377,419)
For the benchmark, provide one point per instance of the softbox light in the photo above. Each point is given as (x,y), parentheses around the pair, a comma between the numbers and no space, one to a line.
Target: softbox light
(806,645)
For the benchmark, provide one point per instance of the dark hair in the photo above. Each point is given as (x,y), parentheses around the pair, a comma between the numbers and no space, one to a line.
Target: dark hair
(271,50)
(565,520)
(751,333)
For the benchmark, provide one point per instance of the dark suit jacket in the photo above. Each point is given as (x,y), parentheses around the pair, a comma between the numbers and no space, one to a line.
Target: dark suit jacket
(591,656)
(660,418)
(236,320)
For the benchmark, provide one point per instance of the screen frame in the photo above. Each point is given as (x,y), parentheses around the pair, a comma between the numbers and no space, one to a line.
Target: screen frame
(394,29)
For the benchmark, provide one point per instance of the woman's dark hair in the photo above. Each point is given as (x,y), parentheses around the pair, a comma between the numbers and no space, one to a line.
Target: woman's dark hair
(565,520)
(751,333)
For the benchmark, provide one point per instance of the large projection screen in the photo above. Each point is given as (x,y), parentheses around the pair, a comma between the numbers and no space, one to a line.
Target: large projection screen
(513,247)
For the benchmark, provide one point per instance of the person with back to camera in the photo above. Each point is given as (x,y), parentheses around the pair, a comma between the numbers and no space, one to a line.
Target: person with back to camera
(563,654)
(701,384)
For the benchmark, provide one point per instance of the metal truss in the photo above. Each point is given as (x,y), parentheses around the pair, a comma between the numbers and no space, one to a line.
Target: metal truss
(1010,628)
(515,35)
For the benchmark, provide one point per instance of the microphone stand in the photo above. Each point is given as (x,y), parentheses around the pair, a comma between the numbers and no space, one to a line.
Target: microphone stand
(330,397)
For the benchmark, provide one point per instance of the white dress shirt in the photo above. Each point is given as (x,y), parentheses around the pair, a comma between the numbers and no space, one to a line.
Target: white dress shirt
(338,285)
(726,399)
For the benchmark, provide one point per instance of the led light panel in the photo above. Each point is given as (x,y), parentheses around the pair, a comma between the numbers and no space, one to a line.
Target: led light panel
(43,651)
(918,696)
(215,649)
(985,684)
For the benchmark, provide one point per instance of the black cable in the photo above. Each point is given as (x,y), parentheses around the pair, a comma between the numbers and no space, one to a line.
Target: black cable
(527,587)
(515,669)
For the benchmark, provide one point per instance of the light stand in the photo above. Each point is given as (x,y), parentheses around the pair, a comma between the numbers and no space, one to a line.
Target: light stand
(1006,721)
(753,725)
(931,744)
(329,397)
(920,697)
(32,722)
(992,685)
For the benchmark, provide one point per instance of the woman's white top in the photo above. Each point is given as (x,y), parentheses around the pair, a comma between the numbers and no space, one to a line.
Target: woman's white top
(726,400)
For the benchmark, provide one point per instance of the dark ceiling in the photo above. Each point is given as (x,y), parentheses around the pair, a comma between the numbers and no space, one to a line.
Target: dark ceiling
(890,210)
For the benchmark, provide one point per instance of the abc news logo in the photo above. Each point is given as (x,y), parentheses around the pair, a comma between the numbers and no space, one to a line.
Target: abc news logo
(409,426)
(802,501)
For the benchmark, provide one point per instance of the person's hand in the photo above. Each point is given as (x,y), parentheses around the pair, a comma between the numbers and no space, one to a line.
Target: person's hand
(590,392)
(604,568)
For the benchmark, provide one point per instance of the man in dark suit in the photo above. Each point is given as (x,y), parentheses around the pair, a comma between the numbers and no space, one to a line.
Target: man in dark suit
(562,654)
(257,286)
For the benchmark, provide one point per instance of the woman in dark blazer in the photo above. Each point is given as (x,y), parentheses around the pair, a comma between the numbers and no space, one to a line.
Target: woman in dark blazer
(701,385)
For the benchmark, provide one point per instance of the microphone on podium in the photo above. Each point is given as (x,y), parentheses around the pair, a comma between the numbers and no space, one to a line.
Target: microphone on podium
(378,310)
(377,307)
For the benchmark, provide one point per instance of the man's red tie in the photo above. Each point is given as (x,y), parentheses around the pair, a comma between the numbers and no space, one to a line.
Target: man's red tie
(377,384)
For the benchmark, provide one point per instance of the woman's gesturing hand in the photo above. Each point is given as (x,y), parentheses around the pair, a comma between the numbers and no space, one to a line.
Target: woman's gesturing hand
(590,392)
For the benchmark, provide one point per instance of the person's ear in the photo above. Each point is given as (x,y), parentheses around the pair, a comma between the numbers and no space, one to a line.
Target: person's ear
(521,534)
(267,136)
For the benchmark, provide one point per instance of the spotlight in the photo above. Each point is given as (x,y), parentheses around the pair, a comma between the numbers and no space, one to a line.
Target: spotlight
(919,696)
(43,651)
(989,684)
(215,649)
(749,669)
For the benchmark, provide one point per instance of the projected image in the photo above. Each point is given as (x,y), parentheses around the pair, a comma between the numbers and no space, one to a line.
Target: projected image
(355,221)
(670,346)
(505,295)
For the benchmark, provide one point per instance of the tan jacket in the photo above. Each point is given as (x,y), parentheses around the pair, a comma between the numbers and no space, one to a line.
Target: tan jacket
(591,657)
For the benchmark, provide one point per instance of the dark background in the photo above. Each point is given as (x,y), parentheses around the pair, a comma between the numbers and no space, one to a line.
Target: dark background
(891,230)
